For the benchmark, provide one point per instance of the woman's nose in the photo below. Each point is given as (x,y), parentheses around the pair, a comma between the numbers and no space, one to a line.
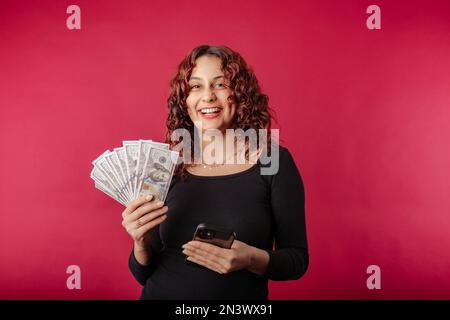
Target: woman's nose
(208,95)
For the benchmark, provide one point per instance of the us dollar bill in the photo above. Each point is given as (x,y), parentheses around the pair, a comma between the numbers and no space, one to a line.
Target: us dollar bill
(114,163)
(144,147)
(120,152)
(157,173)
(109,193)
(103,183)
(137,168)
(131,154)
(103,164)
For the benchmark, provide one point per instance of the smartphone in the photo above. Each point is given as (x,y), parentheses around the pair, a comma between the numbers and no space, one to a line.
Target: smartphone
(214,234)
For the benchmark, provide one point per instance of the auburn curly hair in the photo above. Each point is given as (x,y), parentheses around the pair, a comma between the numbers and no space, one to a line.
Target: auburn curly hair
(252,109)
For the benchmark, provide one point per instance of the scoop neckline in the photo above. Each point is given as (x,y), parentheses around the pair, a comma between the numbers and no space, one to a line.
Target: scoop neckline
(225,176)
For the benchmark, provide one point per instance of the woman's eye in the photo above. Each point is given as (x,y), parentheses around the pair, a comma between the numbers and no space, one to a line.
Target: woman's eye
(195,86)
(220,85)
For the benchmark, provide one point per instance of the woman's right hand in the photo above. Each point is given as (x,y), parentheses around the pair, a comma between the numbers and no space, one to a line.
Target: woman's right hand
(141,216)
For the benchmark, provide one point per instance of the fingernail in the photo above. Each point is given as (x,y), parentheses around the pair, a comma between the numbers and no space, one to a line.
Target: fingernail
(160,203)
(148,198)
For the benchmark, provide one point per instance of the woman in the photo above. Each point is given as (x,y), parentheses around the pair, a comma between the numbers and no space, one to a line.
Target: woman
(214,89)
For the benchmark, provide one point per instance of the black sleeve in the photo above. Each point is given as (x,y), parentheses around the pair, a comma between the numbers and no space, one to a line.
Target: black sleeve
(142,273)
(290,259)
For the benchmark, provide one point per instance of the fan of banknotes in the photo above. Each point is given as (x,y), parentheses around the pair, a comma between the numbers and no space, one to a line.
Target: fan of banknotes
(138,168)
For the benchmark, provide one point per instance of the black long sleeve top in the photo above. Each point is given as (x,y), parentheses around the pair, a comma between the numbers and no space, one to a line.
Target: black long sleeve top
(261,209)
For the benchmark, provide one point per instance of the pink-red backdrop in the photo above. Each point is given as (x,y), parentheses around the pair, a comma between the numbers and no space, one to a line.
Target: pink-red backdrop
(364,112)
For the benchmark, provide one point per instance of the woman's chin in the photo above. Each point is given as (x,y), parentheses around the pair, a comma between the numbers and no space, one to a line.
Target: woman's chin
(210,124)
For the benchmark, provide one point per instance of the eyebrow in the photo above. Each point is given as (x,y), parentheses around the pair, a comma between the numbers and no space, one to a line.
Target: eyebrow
(197,78)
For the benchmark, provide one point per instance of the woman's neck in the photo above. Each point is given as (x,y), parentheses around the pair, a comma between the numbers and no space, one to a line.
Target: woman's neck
(221,150)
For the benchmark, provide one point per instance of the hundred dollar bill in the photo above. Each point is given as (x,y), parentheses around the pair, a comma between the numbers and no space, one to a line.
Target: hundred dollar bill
(159,144)
(108,192)
(120,152)
(102,163)
(102,183)
(131,155)
(157,173)
(145,146)
(120,173)
(114,163)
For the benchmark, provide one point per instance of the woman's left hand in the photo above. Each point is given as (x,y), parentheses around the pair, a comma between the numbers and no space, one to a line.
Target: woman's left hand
(221,260)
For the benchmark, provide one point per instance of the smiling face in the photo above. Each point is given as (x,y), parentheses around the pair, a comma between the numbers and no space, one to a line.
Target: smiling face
(207,100)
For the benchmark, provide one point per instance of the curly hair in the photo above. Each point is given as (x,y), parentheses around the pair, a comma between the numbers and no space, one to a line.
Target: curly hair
(252,109)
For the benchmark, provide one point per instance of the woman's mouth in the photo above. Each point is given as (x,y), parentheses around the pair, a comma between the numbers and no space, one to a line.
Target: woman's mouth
(210,113)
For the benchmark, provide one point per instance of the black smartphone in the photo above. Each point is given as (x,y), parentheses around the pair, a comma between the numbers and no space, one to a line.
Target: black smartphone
(214,234)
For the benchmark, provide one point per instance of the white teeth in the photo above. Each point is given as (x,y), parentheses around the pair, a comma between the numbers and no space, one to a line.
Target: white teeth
(209,110)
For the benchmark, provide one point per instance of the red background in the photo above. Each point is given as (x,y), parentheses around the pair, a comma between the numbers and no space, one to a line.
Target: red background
(364,112)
